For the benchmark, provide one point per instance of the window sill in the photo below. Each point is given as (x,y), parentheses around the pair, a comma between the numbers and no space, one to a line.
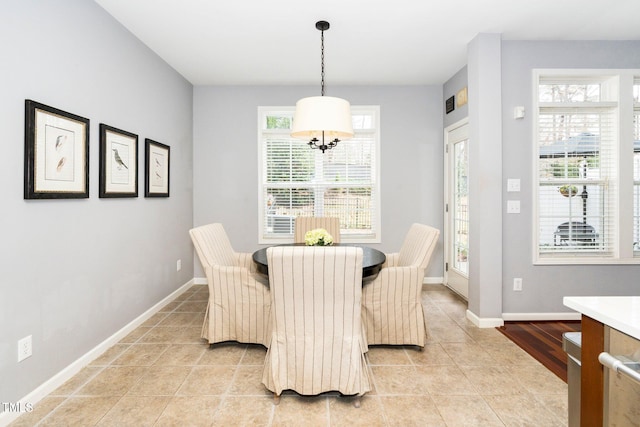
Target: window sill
(582,260)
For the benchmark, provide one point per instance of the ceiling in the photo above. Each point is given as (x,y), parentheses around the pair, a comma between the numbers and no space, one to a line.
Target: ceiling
(370,42)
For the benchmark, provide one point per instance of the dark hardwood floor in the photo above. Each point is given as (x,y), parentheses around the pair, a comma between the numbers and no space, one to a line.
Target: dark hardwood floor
(543,341)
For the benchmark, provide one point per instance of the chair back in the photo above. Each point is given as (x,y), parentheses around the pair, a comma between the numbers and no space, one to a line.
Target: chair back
(212,245)
(316,343)
(306,223)
(418,246)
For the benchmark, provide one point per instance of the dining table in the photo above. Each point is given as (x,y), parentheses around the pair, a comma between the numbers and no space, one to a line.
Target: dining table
(372,259)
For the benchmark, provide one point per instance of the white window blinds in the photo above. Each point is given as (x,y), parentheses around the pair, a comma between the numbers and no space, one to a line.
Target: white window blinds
(299,181)
(577,152)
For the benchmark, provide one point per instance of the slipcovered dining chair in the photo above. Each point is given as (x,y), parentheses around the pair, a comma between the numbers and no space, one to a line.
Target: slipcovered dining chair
(316,341)
(391,302)
(239,302)
(306,223)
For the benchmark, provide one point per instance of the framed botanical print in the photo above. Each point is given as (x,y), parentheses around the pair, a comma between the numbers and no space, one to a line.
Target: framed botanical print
(461,97)
(56,153)
(118,162)
(156,163)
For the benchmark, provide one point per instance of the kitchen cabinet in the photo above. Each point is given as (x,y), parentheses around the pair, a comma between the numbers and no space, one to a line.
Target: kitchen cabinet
(604,321)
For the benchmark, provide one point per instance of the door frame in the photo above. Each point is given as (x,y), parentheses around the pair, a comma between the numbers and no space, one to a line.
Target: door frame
(446,206)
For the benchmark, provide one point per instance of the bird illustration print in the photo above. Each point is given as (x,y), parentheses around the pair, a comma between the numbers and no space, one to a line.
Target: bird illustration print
(60,140)
(61,163)
(118,159)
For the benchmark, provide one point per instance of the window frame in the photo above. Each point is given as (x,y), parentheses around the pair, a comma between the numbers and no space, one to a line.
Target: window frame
(636,182)
(621,212)
(375,235)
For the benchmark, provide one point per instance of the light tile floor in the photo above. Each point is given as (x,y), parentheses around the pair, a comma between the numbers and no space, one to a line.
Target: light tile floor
(163,374)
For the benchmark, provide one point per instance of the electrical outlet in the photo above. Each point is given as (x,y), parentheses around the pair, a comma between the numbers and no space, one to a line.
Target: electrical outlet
(179,265)
(513,184)
(513,206)
(24,348)
(517,284)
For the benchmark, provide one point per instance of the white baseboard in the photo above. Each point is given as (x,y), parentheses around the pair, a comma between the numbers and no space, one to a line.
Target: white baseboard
(200,281)
(540,316)
(61,377)
(433,281)
(484,322)
(506,317)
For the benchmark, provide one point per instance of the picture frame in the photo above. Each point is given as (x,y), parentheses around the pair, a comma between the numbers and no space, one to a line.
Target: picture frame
(118,162)
(156,165)
(56,159)
(462,97)
(449,105)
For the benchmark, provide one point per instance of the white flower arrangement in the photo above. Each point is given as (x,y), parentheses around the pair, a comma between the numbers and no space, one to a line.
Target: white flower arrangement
(318,237)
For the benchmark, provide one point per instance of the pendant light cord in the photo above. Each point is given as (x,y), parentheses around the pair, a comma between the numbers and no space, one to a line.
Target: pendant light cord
(322,62)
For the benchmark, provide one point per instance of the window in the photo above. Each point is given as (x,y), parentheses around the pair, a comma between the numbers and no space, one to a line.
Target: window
(587,166)
(296,180)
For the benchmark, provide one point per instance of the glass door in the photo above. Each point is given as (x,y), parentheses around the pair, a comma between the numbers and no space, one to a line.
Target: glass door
(457,208)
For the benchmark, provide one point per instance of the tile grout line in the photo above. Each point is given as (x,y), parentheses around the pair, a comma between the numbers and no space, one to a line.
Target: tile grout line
(469,336)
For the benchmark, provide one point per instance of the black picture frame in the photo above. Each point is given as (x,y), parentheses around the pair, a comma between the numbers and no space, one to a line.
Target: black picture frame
(157,169)
(118,163)
(450,105)
(56,153)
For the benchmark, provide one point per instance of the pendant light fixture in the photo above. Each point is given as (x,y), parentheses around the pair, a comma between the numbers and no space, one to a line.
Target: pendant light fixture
(322,120)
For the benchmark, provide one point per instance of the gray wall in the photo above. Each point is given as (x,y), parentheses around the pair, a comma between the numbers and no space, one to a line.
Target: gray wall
(544,286)
(76,271)
(225,157)
(485,176)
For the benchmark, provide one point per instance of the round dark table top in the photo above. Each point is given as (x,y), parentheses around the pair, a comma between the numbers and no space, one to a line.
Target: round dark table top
(372,259)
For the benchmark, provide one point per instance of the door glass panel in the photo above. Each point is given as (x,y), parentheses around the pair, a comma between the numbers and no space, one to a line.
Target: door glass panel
(460,206)
(636,176)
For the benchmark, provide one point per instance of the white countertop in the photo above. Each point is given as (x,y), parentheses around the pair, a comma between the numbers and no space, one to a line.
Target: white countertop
(621,313)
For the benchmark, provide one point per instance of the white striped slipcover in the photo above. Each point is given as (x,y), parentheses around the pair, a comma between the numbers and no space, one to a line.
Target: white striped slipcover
(391,303)
(239,302)
(306,223)
(316,340)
